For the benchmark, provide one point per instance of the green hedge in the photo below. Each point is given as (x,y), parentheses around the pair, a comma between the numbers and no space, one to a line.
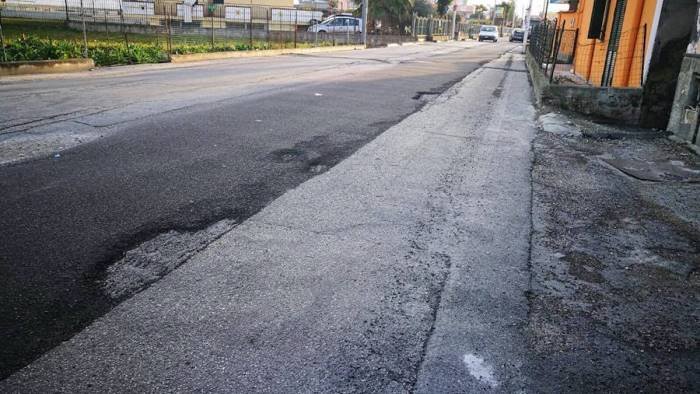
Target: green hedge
(107,53)
(103,53)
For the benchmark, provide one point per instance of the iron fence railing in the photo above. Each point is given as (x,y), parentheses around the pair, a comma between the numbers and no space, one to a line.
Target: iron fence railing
(566,57)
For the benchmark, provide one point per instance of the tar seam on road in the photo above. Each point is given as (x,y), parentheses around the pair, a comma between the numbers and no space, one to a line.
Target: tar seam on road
(448,267)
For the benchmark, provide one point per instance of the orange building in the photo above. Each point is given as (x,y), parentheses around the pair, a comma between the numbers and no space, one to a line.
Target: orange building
(613,40)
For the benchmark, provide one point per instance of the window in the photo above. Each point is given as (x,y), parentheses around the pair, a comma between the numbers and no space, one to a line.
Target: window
(599,17)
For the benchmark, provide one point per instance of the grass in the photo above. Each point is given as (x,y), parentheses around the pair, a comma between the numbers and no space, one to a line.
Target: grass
(52,40)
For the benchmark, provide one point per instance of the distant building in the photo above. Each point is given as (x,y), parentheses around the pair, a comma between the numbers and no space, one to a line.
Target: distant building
(465,10)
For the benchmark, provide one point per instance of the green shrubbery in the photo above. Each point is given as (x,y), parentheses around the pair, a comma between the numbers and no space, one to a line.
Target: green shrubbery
(33,48)
(107,53)
(103,53)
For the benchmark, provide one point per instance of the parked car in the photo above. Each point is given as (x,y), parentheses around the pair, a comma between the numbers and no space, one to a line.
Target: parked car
(341,23)
(488,32)
(517,35)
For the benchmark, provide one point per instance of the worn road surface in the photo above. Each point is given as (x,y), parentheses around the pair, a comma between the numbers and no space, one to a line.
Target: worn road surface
(111,179)
(403,268)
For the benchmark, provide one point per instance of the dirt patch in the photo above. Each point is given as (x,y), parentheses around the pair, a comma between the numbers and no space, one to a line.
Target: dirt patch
(613,304)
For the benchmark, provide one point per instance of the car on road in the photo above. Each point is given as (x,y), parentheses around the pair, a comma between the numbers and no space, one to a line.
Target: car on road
(488,32)
(341,23)
(517,35)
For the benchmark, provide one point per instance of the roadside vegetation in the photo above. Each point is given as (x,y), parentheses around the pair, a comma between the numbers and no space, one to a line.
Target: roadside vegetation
(31,40)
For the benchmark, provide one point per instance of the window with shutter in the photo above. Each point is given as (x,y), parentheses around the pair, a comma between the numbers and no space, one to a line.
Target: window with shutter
(599,17)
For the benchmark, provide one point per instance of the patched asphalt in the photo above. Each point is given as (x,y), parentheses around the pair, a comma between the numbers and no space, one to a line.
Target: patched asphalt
(175,150)
(403,268)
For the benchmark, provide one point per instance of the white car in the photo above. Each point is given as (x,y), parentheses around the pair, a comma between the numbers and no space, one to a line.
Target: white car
(488,32)
(342,23)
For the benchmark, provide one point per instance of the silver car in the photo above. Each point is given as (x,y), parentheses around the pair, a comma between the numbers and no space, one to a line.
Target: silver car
(488,32)
(342,23)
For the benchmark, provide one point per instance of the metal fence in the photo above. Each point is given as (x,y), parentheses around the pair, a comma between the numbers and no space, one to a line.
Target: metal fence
(174,27)
(431,27)
(169,28)
(566,57)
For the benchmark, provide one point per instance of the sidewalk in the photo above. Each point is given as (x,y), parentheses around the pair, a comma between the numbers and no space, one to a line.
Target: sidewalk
(360,279)
(615,258)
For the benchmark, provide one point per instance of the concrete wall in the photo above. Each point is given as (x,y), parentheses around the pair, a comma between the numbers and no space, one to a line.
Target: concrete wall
(676,26)
(684,127)
(617,105)
(683,122)
(45,67)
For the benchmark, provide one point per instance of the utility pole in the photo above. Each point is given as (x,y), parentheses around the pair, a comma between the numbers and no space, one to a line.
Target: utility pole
(493,13)
(454,20)
(365,10)
(526,25)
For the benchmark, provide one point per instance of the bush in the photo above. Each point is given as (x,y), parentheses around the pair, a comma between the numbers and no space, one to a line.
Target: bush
(107,53)
(33,48)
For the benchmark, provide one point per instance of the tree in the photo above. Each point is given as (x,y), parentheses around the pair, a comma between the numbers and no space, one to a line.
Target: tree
(393,14)
(479,11)
(443,6)
(423,8)
(508,9)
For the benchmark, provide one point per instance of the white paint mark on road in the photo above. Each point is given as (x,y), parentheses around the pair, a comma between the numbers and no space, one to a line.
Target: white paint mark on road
(480,370)
(318,94)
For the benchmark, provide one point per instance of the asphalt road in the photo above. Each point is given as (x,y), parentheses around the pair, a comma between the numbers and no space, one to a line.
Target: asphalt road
(159,154)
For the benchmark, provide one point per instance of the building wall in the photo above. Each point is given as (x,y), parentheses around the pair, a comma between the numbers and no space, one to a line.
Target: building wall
(677,25)
(590,55)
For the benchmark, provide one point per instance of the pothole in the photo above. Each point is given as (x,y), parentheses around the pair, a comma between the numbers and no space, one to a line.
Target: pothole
(158,256)
(287,155)
(419,95)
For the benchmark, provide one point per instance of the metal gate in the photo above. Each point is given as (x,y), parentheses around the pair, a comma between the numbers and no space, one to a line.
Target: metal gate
(613,43)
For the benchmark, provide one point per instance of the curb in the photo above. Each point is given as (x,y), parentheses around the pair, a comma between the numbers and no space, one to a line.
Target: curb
(45,67)
(196,57)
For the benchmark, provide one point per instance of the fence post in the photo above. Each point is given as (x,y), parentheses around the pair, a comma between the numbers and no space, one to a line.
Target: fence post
(644,49)
(250,17)
(66,3)
(413,26)
(296,20)
(126,37)
(556,51)
(573,51)
(268,16)
(543,48)
(429,33)
(2,39)
(82,17)
(212,8)
(166,12)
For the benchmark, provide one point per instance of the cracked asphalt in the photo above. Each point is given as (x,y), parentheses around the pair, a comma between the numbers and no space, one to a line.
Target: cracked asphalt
(422,231)
(396,270)
(113,178)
